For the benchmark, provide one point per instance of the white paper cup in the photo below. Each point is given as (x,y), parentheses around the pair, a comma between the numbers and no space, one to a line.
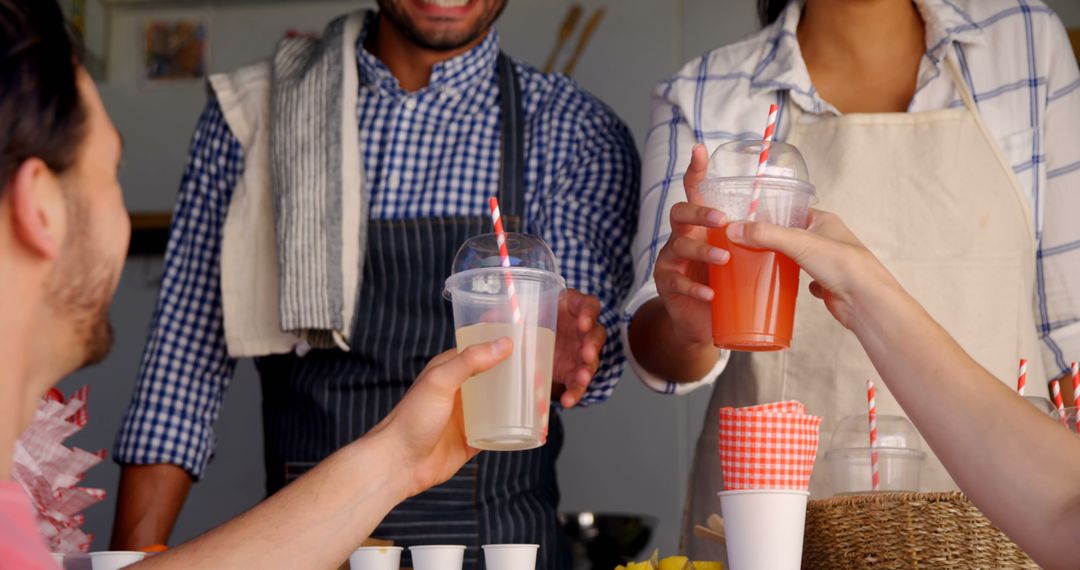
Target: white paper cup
(376,558)
(437,557)
(58,558)
(114,560)
(78,561)
(764,529)
(510,556)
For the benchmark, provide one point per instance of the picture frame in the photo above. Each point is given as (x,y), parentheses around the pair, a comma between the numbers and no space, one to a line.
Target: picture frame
(175,50)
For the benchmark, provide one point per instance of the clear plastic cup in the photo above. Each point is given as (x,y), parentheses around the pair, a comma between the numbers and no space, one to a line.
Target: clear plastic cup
(764,529)
(510,556)
(114,560)
(506,408)
(376,558)
(753,308)
(899,470)
(437,557)
(899,453)
(1069,417)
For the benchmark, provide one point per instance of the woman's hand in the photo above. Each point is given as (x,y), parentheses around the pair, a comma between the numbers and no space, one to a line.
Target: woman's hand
(426,429)
(682,266)
(841,266)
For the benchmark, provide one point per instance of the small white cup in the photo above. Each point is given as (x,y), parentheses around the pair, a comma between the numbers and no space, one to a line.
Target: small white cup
(510,556)
(58,558)
(78,561)
(376,558)
(114,560)
(437,557)
(764,529)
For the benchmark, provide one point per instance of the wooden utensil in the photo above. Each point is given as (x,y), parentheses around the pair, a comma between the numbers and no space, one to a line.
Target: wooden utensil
(709,534)
(583,41)
(569,25)
(714,531)
(716,524)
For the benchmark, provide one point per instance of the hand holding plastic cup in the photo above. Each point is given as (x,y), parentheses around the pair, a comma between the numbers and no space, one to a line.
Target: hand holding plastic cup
(753,305)
(376,558)
(506,408)
(510,556)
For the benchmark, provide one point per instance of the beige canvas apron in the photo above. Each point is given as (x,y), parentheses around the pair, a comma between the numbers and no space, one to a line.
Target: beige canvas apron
(931,195)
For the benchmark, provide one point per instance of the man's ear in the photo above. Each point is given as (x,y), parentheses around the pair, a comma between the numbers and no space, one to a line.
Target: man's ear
(37,208)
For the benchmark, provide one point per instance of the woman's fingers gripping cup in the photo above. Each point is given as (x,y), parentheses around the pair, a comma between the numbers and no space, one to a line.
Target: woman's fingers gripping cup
(828,251)
(682,266)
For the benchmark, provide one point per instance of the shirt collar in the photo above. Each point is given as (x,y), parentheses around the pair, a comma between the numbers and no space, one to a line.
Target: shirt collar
(781,65)
(456,73)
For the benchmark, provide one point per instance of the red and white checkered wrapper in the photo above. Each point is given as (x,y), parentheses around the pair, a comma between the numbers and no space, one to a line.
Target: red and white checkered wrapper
(771,446)
(49,471)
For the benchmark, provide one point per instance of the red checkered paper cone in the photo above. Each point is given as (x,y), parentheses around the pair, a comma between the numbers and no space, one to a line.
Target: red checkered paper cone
(49,471)
(771,446)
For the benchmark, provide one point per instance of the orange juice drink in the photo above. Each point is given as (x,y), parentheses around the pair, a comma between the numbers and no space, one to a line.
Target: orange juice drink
(753,307)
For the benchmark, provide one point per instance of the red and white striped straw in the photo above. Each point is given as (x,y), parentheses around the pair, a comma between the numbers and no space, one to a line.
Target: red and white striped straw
(1076,386)
(504,253)
(1076,394)
(763,160)
(872,407)
(1021,381)
(1055,392)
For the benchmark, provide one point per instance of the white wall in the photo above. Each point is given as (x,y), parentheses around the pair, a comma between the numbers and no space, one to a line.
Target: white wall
(631,454)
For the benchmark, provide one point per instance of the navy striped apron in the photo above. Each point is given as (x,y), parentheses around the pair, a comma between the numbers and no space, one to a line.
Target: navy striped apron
(314,405)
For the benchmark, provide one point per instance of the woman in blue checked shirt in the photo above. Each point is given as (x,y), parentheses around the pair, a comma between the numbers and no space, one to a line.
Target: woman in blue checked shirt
(946,133)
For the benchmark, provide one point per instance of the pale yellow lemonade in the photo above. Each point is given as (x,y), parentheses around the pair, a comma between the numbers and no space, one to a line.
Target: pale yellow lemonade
(506,408)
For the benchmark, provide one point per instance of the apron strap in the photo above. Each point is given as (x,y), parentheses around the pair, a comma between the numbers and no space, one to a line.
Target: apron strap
(971,105)
(512,174)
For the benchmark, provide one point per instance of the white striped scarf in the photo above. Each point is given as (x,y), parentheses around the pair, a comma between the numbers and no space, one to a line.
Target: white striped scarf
(320,220)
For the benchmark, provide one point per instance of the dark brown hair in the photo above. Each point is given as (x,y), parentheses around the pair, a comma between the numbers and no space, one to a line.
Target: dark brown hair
(769,10)
(41,114)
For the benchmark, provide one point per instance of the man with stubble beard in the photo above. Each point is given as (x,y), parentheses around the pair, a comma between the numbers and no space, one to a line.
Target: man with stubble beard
(326,194)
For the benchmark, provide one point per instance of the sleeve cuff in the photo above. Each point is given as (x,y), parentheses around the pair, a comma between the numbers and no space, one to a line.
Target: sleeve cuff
(643,295)
(157,440)
(1059,347)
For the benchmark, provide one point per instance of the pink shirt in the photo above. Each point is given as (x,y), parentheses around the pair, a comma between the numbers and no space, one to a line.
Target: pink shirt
(21,546)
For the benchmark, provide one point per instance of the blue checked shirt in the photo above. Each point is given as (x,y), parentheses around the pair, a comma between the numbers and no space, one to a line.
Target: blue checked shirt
(1017,61)
(436,152)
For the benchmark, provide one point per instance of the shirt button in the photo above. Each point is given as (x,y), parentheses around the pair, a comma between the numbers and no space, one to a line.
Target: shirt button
(410,104)
(395,181)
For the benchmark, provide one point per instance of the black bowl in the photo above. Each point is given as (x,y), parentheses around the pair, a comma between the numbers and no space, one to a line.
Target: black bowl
(602,541)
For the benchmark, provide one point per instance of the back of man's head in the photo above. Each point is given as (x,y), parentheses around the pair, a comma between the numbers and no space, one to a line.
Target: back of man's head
(40,111)
(63,226)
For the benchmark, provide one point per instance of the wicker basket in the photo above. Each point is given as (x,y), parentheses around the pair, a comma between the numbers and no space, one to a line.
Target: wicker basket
(905,530)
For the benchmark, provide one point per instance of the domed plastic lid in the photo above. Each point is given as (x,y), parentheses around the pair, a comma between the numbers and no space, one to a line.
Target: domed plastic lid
(895,432)
(739,159)
(526,251)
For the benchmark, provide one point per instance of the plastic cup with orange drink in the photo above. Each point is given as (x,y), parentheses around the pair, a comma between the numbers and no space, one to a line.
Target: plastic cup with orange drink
(753,308)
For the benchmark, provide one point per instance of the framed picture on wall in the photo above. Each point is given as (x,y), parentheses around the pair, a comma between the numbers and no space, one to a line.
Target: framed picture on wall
(175,50)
